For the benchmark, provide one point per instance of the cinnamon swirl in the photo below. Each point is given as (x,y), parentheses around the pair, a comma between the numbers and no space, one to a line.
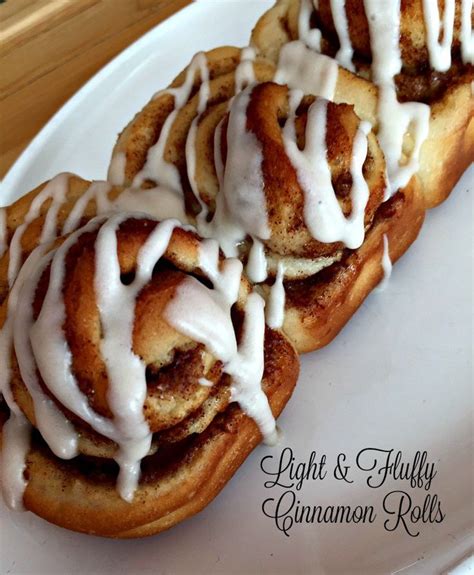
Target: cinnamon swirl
(418,58)
(287,182)
(137,370)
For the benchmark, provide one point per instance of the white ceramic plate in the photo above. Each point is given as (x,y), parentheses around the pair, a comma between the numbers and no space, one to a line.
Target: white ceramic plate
(397,377)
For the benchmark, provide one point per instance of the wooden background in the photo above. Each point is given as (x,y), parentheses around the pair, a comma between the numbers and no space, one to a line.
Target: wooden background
(49,48)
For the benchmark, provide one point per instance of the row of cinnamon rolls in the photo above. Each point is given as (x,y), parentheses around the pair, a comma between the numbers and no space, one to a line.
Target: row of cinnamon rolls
(149,326)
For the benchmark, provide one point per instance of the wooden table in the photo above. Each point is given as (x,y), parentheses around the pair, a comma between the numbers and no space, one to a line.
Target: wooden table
(49,48)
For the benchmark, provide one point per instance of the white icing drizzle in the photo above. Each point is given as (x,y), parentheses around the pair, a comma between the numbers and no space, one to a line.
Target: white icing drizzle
(386,264)
(116,302)
(189,313)
(395,119)
(116,172)
(56,429)
(6,333)
(301,68)
(339,16)
(51,351)
(97,191)
(310,36)
(467,37)
(127,387)
(3,231)
(190,149)
(257,262)
(16,431)
(275,312)
(15,446)
(156,168)
(439,51)
(160,202)
(54,190)
(323,215)
(244,73)
(205,382)
(244,76)
(16,441)
(241,203)
(246,369)
(384,30)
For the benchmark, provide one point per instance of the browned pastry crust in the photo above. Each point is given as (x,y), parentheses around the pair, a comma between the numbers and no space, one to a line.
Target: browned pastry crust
(174,362)
(319,303)
(318,307)
(290,236)
(16,213)
(449,148)
(413,47)
(176,483)
(200,436)
(144,130)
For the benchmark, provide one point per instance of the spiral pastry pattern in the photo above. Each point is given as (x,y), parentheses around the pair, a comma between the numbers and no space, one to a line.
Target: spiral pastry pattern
(149,325)
(285,181)
(423,72)
(129,337)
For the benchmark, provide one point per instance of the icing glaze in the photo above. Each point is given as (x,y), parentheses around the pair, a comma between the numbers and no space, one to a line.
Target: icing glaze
(160,203)
(116,173)
(467,37)
(189,313)
(275,312)
(310,36)
(244,76)
(323,215)
(55,190)
(439,51)
(98,192)
(339,16)
(386,264)
(395,119)
(257,262)
(241,204)
(302,68)
(16,434)
(156,168)
(56,429)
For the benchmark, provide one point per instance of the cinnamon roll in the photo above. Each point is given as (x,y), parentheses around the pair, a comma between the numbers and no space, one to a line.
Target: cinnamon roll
(304,201)
(289,183)
(417,58)
(137,371)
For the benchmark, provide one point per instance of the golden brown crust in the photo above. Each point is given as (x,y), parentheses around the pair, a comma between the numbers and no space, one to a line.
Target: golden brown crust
(413,45)
(267,111)
(280,25)
(176,484)
(200,437)
(175,363)
(449,148)
(75,188)
(145,128)
(318,307)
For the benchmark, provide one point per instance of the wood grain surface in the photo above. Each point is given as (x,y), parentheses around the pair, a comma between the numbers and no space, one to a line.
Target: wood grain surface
(49,48)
